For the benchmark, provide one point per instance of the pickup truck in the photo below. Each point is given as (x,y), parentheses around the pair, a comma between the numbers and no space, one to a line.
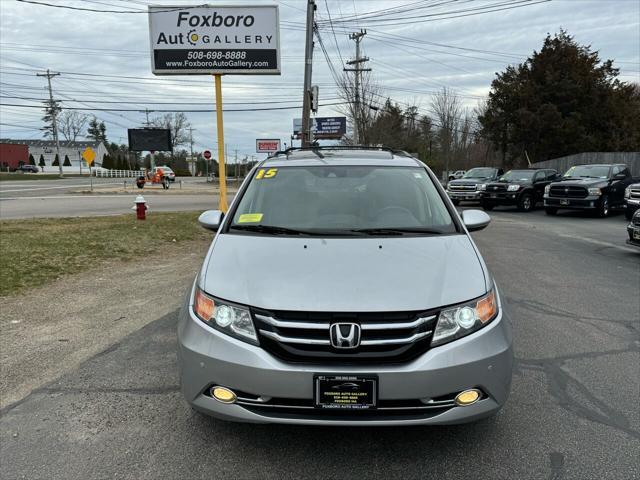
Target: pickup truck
(469,187)
(596,187)
(522,188)
(632,200)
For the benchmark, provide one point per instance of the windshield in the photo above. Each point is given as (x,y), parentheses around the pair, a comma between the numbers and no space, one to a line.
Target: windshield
(479,173)
(589,171)
(517,176)
(353,200)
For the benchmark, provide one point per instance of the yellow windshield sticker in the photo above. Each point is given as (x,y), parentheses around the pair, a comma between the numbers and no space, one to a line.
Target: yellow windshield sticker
(250,218)
(269,173)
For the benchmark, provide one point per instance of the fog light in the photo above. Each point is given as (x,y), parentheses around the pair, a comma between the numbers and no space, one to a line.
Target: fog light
(223,395)
(468,397)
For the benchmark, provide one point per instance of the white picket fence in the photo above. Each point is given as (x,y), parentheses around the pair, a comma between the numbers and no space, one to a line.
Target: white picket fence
(103,172)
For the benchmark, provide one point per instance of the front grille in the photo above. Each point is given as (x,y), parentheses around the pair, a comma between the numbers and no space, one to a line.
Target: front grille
(567,191)
(497,188)
(636,220)
(634,193)
(462,187)
(391,337)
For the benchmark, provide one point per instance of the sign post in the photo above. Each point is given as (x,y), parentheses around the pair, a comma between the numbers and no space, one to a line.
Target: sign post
(89,156)
(210,40)
(221,167)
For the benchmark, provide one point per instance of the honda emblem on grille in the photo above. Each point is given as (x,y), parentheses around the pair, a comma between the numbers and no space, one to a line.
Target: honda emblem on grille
(345,335)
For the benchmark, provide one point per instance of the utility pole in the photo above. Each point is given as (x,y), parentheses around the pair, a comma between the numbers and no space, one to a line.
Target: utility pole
(194,164)
(305,130)
(49,76)
(146,111)
(357,110)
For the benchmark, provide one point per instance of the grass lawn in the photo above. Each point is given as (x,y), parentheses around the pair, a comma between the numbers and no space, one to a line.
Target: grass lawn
(34,252)
(17,177)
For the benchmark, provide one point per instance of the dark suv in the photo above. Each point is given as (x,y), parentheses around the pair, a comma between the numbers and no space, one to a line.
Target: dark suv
(522,188)
(469,186)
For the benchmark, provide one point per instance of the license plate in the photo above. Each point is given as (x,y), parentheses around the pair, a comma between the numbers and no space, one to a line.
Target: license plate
(564,201)
(636,233)
(345,392)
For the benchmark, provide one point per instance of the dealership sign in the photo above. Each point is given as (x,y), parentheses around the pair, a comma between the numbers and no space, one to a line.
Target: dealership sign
(214,40)
(323,127)
(266,145)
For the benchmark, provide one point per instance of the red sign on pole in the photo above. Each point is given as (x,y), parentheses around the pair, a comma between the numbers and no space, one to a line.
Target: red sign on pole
(267,145)
(207,154)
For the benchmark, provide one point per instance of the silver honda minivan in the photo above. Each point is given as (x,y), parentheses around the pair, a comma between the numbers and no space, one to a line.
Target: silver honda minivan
(343,288)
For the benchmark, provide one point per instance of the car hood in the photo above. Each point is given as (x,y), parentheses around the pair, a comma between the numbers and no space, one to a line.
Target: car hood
(582,182)
(343,274)
(469,180)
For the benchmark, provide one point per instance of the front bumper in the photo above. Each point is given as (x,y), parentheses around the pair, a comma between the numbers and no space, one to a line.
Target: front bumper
(501,198)
(587,203)
(634,242)
(472,196)
(207,357)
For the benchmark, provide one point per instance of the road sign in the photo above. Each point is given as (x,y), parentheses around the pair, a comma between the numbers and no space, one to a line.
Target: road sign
(323,127)
(89,155)
(150,139)
(198,40)
(207,154)
(266,145)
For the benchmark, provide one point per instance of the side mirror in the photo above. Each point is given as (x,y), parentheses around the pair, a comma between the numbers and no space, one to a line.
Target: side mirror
(475,219)
(211,219)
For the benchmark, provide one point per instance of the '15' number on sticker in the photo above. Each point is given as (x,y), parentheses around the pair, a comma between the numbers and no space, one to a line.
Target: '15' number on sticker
(270,173)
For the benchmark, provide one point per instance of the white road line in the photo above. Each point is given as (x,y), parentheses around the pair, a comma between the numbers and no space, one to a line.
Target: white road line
(55,188)
(63,197)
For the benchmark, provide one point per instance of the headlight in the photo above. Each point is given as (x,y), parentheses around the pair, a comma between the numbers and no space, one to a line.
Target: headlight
(461,320)
(627,192)
(595,191)
(513,188)
(547,189)
(482,186)
(233,320)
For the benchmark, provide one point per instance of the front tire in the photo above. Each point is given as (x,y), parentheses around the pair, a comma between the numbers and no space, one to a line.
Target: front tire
(487,206)
(525,204)
(551,211)
(603,207)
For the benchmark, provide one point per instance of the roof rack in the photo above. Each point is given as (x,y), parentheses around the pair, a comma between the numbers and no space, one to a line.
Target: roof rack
(319,148)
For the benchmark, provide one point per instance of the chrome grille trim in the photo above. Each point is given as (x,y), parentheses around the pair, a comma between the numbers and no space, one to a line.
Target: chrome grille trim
(391,326)
(302,341)
(289,324)
(396,341)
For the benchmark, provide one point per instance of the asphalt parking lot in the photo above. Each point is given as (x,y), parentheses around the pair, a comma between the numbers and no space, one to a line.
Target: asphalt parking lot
(573,287)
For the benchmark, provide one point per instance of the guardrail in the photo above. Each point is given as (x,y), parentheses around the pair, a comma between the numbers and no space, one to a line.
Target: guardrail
(118,173)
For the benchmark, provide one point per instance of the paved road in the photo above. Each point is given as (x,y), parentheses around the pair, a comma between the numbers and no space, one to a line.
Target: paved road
(573,288)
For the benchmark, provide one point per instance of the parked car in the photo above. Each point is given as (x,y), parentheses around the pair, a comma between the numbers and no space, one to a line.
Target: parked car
(522,188)
(632,200)
(27,169)
(456,174)
(633,230)
(469,186)
(342,287)
(167,172)
(597,188)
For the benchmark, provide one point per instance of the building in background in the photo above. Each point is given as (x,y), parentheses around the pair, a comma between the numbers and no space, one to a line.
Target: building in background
(47,148)
(12,155)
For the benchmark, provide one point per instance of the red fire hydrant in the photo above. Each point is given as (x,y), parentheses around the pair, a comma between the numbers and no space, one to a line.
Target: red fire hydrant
(140,208)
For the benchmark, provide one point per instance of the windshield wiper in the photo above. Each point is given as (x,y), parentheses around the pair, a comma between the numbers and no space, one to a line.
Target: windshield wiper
(396,231)
(269,229)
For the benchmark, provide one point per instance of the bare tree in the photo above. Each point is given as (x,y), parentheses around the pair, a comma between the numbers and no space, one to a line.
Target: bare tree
(361,115)
(177,123)
(447,109)
(71,123)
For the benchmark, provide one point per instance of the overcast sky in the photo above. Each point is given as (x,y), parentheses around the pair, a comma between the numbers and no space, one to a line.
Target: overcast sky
(471,50)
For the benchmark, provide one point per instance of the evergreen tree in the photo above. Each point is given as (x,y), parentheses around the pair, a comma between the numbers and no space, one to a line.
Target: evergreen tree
(56,162)
(106,162)
(51,109)
(67,162)
(562,100)
(97,131)
(41,162)
(32,161)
